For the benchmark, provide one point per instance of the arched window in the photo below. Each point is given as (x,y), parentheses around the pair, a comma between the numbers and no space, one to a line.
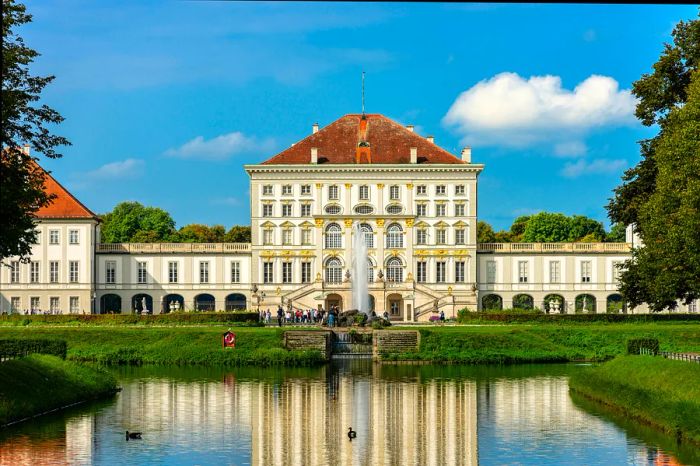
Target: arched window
(394,236)
(369,236)
(334,236)
(394,270)
(370,271)
(334,271)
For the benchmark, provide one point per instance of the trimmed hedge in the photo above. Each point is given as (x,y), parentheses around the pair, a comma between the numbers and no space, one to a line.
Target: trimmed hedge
(466,316)
(179,318)
(635,344)
(15,347)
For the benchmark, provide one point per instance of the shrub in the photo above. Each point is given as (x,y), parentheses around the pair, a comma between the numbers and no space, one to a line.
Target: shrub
(636,344)
(10,348)
(249,317)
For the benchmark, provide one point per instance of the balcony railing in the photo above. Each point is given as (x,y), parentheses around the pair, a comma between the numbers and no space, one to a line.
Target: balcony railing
(172,248)
(554,247)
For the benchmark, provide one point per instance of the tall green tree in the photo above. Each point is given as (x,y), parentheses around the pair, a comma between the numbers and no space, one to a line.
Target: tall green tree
(667,267)
(583,227)
(546,227)
(24,121)
(616,234)
(238,234)
(484,233)
(132,222)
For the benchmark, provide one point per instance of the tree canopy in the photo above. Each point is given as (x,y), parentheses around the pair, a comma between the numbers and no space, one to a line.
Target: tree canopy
(660,194)
(547,227)
(24,121)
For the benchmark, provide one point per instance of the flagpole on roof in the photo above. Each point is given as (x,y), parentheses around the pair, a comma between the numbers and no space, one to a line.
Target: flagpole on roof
(363,93)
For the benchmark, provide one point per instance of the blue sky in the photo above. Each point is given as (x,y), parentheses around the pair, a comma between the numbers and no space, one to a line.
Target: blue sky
(165,101)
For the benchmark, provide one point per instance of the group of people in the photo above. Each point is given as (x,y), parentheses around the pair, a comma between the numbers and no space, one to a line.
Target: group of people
(306,316)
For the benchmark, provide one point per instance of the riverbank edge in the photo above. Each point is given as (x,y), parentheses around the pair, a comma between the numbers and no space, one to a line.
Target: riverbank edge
(36,385)
(650,389)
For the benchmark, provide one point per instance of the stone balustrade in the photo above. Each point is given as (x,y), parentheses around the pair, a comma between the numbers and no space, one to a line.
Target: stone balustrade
(554,247)
(172,248)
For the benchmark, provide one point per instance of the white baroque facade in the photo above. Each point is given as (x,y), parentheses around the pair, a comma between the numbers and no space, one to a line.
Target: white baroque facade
(414,203)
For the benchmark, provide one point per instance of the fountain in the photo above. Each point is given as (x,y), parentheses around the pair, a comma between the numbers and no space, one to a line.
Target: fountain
(360,293)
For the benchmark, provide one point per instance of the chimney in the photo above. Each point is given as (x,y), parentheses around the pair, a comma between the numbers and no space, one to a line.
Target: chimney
(409,127)
(431,139)
(25,149)
(314,155)
(314,128)
(467,154)
(414,155)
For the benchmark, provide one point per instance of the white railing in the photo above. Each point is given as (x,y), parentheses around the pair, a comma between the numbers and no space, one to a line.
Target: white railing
(172,248)
(554,247)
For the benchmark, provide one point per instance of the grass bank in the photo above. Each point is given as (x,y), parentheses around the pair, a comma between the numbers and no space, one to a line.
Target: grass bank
(39,383)
(174,345)
(657,391)
(507,344)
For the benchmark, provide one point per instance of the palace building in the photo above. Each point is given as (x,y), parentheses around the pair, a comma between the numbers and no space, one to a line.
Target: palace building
(414,203)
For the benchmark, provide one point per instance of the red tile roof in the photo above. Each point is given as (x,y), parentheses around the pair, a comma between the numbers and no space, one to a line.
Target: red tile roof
(389,143)
(64,205)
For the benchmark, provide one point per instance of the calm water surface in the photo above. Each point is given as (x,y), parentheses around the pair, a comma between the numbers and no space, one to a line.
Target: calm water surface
(402,415)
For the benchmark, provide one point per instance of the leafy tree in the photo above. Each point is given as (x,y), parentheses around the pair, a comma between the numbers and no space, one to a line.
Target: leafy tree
(131,221)
(616,234)
(198,233)
(584,227)
(484,233)
(238,234)
(23,122)
(546,227)
(518,228)
(667,267)
(503,237)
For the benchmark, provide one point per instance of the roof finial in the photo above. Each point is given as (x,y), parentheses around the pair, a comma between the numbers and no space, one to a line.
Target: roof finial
(363,93)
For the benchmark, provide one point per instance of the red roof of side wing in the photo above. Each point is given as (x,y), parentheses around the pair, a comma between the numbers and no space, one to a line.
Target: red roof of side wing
(389,143)
(64,205)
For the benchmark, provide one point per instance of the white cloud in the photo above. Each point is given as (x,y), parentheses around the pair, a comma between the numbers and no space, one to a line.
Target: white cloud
(221,147)
(570,149)
(125,168)
(594,167)
(512,111)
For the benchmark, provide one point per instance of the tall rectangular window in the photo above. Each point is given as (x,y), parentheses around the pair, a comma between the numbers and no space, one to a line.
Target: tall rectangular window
(287,190)
(459,271)
(333,192)
(459,210)
(422,236)
(460,236)
(35,303)
(364,192)
(287,236)
(54,305)
(34,271)
(306,210)
(141,272)
(554,272)
(74,304)
(421,271)
(267,210)
(204,272)
(73,237)
(268,276)
(441,236)
(53,271)
(421,190)
(459,190)
(286,272)
(73,267)
(286,210)
(306,272)
(111,272)
(306,236)
(53,236)
(15,304)
(440,267)
(440,190)
(522,271)
(267,190)
(305,189)
(173,272)
(394,192)
(490,271)
(267,236)
(421,210)
(585,271)
(14,272)
(235,272)
(440,210)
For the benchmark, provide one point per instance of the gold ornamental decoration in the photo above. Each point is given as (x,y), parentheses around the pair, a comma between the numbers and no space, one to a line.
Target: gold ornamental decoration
(380,222)
(409,222)
(319,185)
(409,185)
(348,185)
(319,222)
(380,186)
(348,223)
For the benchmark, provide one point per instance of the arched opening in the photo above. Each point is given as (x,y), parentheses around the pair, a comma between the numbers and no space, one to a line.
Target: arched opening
(491,302)
(394,270)
(334,270)
(523,301)
(110,304)
(394,304)
(334,300)
(615,304)
(204,302)
(554,304)
(369,235)
(236,302)
(334,236)
(142,304)
(394,236)
(173,303)
(585,303)
(371,303)
(370,270)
